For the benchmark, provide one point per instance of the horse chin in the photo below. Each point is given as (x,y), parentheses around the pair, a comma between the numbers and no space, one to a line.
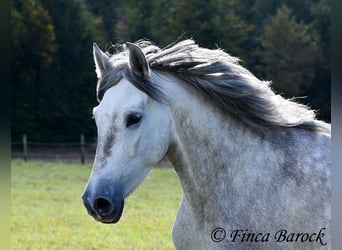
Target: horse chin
(113,217)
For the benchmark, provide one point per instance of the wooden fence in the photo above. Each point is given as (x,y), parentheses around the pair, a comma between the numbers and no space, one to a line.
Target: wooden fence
(66,152)
(73,152)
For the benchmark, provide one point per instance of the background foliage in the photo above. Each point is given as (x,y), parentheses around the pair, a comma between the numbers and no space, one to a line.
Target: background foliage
(53,79)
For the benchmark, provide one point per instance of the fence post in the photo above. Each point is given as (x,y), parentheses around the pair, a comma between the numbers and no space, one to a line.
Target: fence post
(82,149)
(25,147)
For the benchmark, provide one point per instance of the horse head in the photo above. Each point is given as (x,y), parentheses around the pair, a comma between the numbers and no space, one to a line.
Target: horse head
(133,135)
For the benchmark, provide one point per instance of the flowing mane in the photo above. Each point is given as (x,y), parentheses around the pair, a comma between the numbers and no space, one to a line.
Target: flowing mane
(219,76)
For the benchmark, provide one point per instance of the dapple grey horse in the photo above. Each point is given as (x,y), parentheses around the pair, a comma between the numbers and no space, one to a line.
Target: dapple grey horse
(254,167)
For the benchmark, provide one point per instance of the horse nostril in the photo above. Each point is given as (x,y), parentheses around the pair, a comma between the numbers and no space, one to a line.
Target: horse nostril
(103,207)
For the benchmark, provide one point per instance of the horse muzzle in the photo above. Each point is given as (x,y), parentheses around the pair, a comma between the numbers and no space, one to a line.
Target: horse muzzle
(103,209)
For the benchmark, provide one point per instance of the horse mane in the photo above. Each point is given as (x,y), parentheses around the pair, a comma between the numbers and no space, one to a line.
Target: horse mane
(218,75)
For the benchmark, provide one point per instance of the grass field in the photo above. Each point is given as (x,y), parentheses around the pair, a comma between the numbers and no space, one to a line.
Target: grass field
(47,211)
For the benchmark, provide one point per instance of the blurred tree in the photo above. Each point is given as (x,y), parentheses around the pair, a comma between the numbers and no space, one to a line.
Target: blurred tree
(72,85)
(53,79)
(33,46)
(319,94)
(210,23)
(137,20)
(231,32)
(108,11)
(52,68)
(192,17)
(289,53)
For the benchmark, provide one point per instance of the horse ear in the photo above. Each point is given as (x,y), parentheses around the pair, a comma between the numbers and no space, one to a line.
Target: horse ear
(137,60)
(101,60)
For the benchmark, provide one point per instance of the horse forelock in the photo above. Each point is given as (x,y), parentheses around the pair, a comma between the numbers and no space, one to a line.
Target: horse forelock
(219,76)
(121,70)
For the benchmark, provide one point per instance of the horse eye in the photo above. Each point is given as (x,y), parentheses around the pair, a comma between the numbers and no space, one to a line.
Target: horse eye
(132,119)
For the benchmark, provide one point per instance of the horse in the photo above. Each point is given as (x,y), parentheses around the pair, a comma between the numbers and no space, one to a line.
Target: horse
(254,166)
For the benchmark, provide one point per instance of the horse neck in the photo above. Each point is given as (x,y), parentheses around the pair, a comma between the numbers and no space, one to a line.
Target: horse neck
(205,145)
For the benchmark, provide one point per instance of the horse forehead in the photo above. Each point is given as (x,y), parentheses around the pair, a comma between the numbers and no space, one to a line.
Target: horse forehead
(123,96)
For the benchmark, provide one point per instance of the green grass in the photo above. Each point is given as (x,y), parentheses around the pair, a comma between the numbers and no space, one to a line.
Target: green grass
(47,211)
